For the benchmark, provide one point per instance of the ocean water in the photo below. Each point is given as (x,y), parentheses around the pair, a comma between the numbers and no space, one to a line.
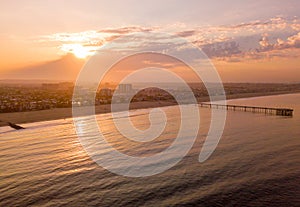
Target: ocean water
(256,163)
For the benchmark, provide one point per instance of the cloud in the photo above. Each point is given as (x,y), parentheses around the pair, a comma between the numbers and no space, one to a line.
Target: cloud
(228,42)
(222,49)
(187,33)
(267,50)
(294,41)
(213,34)
(264,42)
(291,42)
(255,40)
(295,25)
(125,30)
(76,37)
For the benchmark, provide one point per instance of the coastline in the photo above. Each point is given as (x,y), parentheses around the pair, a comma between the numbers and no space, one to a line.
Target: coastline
(62,113)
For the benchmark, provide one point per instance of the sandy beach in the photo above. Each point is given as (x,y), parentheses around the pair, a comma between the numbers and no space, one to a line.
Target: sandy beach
(62,113)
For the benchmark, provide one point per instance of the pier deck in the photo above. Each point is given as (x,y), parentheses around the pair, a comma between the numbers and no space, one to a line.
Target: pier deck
(254,109)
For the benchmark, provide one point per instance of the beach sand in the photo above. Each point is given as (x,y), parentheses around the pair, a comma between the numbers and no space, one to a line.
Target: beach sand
(61,113)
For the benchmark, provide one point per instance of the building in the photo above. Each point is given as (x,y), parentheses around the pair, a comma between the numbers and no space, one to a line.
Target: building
(125,88)
(105,92)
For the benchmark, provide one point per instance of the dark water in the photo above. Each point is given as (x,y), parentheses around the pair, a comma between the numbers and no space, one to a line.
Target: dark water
(257,163)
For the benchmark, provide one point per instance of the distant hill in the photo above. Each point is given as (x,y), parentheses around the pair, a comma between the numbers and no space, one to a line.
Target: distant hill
(64,69)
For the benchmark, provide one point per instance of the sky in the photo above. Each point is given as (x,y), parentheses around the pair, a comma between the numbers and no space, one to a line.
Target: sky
(247,41)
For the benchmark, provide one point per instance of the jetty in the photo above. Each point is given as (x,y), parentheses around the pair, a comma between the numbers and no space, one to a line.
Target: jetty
(12,125)
(253,109)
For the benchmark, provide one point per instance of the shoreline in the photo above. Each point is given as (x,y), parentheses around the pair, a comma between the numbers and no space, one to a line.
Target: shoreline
(63,113)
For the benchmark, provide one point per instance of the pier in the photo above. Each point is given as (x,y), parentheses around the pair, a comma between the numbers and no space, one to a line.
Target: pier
(253,109)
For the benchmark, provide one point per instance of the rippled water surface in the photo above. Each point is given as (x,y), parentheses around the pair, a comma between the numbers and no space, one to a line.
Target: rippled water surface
(257,163)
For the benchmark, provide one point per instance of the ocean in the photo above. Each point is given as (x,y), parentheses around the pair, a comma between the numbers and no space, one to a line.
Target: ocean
(256,163)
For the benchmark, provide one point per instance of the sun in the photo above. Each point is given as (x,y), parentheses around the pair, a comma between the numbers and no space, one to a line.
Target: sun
(80,51)
(77,49)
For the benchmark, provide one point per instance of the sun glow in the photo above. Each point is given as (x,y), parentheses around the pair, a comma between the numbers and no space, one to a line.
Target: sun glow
(78,50)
